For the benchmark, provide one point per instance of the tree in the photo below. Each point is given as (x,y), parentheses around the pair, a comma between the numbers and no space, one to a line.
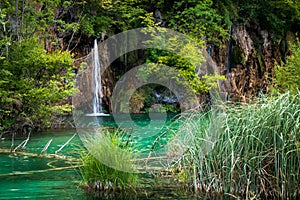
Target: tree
(276,16)
(34,85)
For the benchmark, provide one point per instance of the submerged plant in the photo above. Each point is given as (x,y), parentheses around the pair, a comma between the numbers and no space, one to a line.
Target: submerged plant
(105,167)
(256,152)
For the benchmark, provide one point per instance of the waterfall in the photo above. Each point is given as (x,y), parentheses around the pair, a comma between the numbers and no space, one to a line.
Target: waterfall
(96,81)
(209,50)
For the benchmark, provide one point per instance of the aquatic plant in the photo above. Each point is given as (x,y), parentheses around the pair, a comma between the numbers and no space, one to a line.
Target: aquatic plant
(105,167)
(255,149)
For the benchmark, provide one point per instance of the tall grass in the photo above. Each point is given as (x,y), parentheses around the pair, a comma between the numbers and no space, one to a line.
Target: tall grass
(254,152)
(106,167)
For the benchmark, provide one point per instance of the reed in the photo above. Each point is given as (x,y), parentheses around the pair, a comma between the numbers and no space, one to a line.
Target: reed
(105,167)
(254,149)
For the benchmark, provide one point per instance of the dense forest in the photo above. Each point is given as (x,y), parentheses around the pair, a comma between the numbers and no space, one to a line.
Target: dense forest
(253,43)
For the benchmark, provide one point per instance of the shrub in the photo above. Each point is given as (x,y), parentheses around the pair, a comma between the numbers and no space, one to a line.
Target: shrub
(288,74)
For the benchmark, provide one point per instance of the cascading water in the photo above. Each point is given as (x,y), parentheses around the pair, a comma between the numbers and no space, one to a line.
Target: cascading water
(97,82)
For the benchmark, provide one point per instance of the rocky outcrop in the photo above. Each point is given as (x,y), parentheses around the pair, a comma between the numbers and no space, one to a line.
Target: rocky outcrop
(247,61)
(108,80)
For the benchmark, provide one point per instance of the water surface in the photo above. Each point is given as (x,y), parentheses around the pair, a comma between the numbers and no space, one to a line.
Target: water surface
(25,176)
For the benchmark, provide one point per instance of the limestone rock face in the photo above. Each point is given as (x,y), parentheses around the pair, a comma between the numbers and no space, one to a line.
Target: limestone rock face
(247,61)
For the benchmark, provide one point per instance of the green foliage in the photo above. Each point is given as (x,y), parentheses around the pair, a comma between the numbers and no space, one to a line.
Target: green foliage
(185,58)
(127,13)
(194,18)
(288,74)
(227,10)
(25,18)
(109,17)
(276,16)
(34,85)
(199,20)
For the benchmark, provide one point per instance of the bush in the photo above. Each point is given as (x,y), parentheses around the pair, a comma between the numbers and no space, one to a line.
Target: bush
(34,86)
(288,74)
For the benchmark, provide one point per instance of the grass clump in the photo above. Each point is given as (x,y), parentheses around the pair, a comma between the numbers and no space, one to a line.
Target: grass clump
(255,150)
(107,167)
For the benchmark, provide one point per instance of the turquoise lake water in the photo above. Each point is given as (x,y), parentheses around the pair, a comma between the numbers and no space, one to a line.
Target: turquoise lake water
(22,176)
